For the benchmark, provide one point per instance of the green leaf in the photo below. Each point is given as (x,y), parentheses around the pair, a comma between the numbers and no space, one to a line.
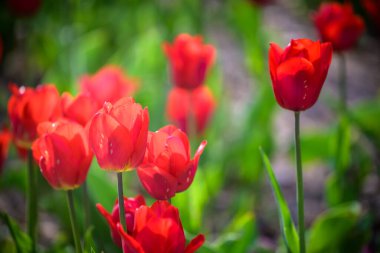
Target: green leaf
(288,229)
(89,244)
(21,239)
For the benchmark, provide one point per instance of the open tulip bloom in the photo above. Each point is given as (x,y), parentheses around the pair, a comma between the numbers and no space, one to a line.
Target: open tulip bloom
(158,229)
(167,167)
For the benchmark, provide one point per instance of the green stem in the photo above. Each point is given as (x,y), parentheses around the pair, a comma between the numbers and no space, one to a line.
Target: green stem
(32,214)
(342,83)
(300,196)
(121,199)
(70,204)
(86,207)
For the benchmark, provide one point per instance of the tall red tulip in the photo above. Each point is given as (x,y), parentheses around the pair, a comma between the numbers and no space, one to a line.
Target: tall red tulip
(186,107)
(63,153)
(109,84)
(130,206)
(338,24)
(190,60)
(167,167)
(5,139)
(80,109)
(298,72)
(118,135)
(28,107)
(158,229)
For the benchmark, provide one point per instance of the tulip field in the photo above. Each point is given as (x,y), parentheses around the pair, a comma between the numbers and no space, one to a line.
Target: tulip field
(236,126)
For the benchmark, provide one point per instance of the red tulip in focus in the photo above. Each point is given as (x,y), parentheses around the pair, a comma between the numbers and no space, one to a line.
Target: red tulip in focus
(130,206)
(298,72)
(158,229)
(372,8)
(28,107)
(63,153)
(167,167)
(190,60)
(24,7)
(118,134)
(109,84)
(338,24)
(5,139)
(186,107)
(80,109)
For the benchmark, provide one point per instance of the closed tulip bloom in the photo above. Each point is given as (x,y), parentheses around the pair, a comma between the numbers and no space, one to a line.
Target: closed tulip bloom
(130,206)
(28,107)
(109,84)
(5,139)
(63,153)
(338,24)
(298,72)
(186,107)
(167,167)
(80,108)
(189,60)
(118,135)
(158,229)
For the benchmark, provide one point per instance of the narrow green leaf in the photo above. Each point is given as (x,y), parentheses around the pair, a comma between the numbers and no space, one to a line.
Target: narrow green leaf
(288,229)
(21,239)
(89,244)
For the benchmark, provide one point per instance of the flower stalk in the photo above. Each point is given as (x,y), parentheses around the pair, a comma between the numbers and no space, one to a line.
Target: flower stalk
(121,200)
(32,214)
(70,204)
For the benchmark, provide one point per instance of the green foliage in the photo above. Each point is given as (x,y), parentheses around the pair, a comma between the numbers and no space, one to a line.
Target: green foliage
(21,240)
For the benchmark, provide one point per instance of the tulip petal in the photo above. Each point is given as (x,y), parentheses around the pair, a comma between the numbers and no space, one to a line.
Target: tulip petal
(141,140)
(113,228)
(195,244)
(274,59)
(130,245)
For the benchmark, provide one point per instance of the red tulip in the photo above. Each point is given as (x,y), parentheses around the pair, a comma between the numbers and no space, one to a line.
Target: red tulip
(130,206)
(5,139)
(28,107)
(24,7)
(338,24)
(298,72)
(185,107)
(80,109)
(158,229)
(372,8)
(63,153)
(167,167)
(109,84)
(190,60)
(118,135)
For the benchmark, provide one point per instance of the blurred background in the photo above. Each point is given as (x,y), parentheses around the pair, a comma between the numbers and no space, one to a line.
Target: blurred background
(230,201)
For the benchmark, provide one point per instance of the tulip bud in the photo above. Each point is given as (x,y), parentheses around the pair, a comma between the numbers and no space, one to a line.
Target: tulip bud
(79,109)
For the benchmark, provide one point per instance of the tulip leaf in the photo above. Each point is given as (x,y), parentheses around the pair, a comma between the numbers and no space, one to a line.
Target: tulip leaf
(288,229)
(21,239)
(89,244)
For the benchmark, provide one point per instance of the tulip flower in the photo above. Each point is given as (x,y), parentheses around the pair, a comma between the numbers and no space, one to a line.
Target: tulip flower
(298,72)
(372,8)
(5,139)
(28,107)
(118,135)
(80,109)
(158,229)
(109,84)
(186,107)
(167,167)
(190,60)
(130,206)
(338,24)
(63,153)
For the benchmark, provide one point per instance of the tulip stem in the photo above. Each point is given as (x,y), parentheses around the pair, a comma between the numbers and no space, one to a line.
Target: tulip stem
(32,214)
(121,199)
(342,83)
(70,204)
(300,193)
(86,207)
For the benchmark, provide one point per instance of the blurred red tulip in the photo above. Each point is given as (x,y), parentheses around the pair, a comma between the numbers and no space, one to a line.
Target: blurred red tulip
(167,167)
(130,206)
(5,139)
(298,72)
(338,24)
(190,60)
(118,135)
(80,109)
(372,8)
(185,107)
(109,84)
(158,229)
(63,153)
(28,107)
(24,7)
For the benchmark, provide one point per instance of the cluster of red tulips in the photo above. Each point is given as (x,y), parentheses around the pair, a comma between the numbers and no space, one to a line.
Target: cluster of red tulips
(63,132)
